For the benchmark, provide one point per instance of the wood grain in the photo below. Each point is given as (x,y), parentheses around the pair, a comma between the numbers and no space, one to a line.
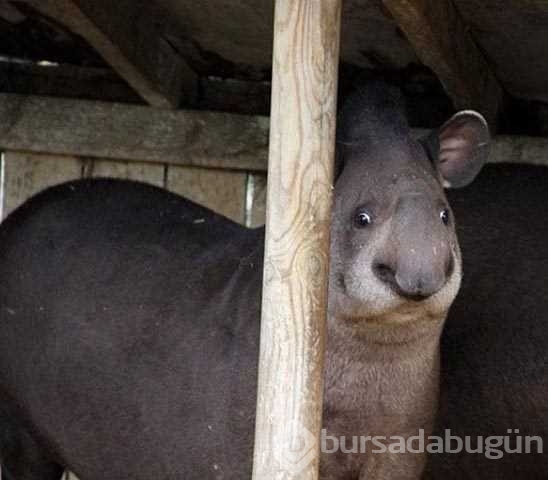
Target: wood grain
(67,81)
(26,174)
(138,171)
(218,190)
(302,141)
(141,134)
(136,133)
(443,42)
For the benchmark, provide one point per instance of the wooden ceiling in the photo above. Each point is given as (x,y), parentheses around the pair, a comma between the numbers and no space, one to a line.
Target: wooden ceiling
(512,34)
(487,54)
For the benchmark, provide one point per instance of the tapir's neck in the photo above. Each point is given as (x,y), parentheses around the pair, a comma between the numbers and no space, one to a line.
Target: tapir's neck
(381,389)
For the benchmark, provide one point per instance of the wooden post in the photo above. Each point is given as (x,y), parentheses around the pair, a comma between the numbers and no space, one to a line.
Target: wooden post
(302,142)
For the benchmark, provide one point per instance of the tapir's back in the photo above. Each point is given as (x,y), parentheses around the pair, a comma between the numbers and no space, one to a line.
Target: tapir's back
(495,343)
(123,298)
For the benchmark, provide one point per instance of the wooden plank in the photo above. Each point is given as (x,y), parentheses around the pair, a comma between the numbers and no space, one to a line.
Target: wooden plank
(138,171)
(27,77)
(539,5)
(221,191)
(129,35)
(518,149)
(136,133)
(26,174)
(9,13)
(302,145)
(442,42)
(236,96)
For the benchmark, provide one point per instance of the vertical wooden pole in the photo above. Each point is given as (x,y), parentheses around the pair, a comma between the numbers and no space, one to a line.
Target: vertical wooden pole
(300,175)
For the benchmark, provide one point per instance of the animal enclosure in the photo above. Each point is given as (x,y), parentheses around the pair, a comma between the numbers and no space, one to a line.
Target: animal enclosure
(180,95)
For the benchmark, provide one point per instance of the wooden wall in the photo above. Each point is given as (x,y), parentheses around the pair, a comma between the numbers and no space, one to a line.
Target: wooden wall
(238,195)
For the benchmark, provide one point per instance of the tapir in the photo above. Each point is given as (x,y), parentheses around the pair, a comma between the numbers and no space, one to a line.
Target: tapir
(495,341)
(129,316)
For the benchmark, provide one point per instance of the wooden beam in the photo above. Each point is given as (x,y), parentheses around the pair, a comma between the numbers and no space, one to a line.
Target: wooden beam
(443,42)
(136,133)
(302,145)
(539,5)
(129,36)
(9,13)
(126,132)
(69,81)
(236,96)
(519,149)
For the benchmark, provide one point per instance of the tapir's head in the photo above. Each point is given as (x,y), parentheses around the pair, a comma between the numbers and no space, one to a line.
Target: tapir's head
(395,256)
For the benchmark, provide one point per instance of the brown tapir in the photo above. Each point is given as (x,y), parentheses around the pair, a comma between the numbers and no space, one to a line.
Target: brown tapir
(129,317)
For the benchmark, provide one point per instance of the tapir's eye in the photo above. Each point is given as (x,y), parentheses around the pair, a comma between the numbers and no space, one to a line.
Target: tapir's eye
(445,217)
(362,218)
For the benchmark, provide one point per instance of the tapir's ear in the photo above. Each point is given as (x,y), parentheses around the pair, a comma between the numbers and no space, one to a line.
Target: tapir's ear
(462,148)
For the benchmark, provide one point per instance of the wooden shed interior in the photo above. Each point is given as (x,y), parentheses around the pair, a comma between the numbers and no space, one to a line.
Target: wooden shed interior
(157,66)
(216,54)
(177,92)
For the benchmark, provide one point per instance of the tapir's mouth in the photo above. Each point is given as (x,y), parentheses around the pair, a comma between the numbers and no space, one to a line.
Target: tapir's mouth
(397,318)
(404,328)
(414,298)
(410,318)
(373,310)
(398,312)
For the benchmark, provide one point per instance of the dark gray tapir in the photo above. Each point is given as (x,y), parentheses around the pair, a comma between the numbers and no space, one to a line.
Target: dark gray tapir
(495,342)
(129,317)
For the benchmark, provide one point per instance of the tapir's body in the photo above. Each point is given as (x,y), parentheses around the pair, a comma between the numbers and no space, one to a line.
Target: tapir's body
(127,365)
(129,317)
(495,341)
(80,403)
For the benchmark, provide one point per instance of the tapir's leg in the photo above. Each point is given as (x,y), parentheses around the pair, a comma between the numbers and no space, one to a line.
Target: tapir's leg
(24,461)
(33,472)
(22,457)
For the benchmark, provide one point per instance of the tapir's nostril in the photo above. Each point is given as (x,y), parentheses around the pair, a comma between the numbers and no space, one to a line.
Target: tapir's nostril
(418,294)
(419,286)
(384,273)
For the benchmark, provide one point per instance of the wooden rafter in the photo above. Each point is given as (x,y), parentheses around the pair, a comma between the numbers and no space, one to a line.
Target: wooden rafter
(443,42)
(128,132)
(69,81)
(129,35)
(9,13)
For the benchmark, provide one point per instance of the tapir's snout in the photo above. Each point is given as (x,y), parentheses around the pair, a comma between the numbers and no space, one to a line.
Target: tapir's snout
(414,284)
(417,260)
